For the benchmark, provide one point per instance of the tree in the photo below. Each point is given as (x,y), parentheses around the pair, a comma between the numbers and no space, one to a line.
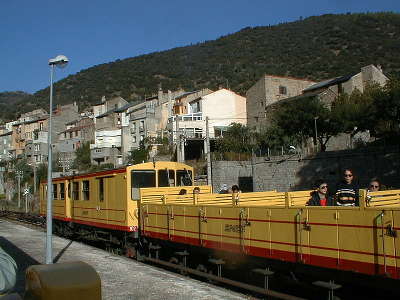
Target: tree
(387,109)
(238,138)
(82,160)
(357,111)
(295,122)
(139,155)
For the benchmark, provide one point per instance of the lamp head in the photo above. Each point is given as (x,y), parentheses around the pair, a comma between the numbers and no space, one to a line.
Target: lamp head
(59,61)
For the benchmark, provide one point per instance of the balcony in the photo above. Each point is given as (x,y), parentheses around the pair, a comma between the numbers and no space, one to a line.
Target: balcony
(187,117)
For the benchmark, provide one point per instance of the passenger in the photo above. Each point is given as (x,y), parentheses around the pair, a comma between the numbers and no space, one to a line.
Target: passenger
(182,192)
(235,189)
(8,272)
(196,190)
(347,191)
(374,185)
(320,196)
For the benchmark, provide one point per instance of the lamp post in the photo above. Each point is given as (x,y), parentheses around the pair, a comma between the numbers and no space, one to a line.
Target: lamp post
(59,61)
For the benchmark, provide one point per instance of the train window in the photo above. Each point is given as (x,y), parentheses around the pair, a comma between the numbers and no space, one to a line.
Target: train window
(69,190)
(101,189)
(184,177)
(62,191)
(141,179)
(86,189)
(75,190)
(55,192)
(166,177)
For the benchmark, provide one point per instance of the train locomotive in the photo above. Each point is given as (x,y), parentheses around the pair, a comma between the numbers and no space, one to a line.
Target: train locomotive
(140,208)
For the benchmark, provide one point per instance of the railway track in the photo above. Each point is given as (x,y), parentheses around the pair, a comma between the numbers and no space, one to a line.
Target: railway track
(256,292)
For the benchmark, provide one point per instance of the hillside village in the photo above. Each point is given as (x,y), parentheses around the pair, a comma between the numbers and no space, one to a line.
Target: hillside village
(176,120)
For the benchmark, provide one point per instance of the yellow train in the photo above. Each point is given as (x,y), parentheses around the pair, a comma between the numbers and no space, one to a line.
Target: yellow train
(104,205)
(141,208)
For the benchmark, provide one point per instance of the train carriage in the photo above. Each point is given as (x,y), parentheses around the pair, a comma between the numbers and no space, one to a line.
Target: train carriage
(278,231)
(103,205)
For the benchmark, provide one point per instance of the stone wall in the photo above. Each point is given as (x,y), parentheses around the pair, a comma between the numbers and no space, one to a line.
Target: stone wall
(293,172)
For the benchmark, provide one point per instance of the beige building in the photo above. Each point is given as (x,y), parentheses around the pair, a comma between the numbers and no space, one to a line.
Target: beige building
(222,107)
(268,90)
(329,89)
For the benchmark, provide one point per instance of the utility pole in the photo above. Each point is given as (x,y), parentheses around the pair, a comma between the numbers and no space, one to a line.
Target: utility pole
(208,154)
(183,141)
(177,139)
(19,175)
(34,177)
(26,197)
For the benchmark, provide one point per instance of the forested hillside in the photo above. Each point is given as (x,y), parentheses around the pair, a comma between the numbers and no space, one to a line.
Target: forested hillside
(316,48)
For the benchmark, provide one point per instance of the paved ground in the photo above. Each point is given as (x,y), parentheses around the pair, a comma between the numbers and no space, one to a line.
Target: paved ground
(122,278)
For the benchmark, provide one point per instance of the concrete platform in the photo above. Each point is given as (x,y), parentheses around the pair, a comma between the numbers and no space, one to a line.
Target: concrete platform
(121,278)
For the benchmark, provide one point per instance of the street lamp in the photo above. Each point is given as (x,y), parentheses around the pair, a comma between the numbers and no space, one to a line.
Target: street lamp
(59,61)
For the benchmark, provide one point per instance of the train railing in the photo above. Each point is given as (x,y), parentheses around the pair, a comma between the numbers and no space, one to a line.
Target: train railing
(170,195)
(380,198)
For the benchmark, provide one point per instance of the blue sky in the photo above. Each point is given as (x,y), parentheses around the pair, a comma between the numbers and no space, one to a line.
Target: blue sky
(93,32)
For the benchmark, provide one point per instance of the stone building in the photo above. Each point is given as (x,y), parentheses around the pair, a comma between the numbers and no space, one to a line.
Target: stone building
(327,91)
(149,119)
(5,145)
(76,133)
(268,90)
(108,142)
(25,128)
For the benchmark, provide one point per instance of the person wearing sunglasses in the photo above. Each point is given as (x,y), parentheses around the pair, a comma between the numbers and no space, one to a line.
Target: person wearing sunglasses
(320,196)
(374,185)
(346,190)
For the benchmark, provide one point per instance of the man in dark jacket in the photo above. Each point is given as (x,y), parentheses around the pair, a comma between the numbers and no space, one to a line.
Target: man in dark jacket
(320,196)
(347,191)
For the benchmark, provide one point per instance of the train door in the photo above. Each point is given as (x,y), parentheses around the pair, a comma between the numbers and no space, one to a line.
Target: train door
(323,230)
(365,241)
(103,194)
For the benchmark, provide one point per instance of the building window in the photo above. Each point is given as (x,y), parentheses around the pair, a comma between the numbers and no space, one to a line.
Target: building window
(133,128)
(282,90)
(134,140)
(141,126)
(76,133)
(85,189)
(142,138)
(37,147)
(40,126)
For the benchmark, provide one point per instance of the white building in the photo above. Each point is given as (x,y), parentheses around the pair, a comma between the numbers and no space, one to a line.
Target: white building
(222,108)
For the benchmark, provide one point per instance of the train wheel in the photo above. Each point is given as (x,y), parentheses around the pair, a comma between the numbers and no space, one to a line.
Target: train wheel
(201,268)
(130,252)
(176,261)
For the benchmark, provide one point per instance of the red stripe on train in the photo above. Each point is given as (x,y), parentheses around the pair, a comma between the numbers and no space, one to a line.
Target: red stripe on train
(314,260)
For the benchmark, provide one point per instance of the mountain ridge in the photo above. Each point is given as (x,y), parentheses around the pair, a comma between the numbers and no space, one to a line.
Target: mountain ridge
(314,48)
